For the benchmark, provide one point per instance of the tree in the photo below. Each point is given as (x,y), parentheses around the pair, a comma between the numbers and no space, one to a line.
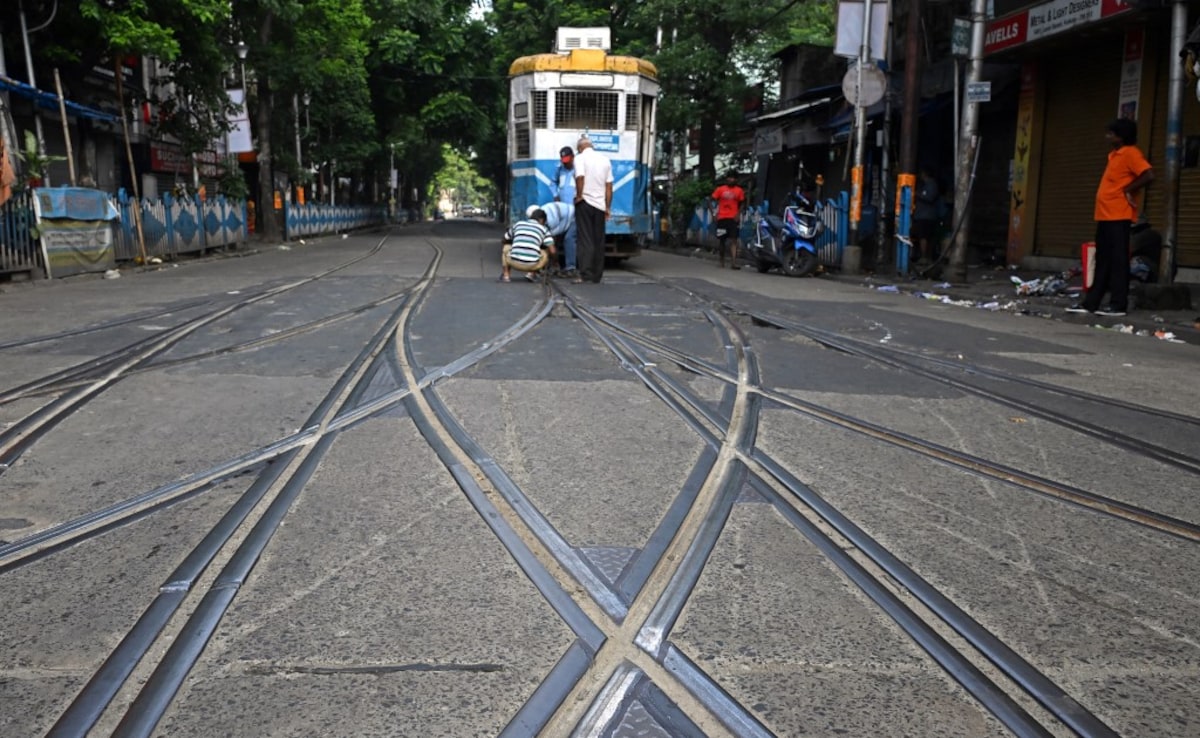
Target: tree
(711,53)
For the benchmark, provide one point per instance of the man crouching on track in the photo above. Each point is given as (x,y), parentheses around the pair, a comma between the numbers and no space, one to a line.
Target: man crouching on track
(527,247)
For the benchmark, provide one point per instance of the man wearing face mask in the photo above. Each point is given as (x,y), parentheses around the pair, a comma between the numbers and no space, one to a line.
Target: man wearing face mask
(563,190)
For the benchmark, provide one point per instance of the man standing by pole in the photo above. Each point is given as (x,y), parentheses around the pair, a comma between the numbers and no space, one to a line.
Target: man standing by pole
(593,203)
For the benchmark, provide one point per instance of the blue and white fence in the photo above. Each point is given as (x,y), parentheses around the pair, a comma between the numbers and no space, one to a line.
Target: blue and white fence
(314,219)
(834,212)
(19,250)
(174,226)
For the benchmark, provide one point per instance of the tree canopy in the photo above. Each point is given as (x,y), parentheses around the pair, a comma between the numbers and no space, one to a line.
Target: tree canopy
(396,80)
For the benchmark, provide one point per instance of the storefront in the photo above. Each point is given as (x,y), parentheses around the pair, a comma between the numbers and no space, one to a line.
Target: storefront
(1084,63)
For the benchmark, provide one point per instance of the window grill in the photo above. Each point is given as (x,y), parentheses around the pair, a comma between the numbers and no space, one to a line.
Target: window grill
(540,116)
(593,111)
(522,142)
(633,114)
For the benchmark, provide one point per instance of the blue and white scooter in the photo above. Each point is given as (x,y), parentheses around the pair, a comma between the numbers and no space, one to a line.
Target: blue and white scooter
(788,243)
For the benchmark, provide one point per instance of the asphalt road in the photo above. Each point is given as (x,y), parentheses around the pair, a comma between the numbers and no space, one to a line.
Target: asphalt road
(358,487)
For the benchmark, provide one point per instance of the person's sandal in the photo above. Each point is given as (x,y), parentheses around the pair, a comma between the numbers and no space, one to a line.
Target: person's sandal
(503,278)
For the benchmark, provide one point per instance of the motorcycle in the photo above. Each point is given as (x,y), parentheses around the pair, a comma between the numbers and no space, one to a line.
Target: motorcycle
(788,243)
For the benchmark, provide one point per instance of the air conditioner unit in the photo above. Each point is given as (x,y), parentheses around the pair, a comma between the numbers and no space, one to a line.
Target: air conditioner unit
(570,39)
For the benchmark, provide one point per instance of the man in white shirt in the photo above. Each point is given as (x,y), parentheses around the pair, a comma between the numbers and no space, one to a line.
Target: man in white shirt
(593,204)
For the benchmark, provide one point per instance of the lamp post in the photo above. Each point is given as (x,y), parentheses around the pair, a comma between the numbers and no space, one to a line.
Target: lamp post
(242,49)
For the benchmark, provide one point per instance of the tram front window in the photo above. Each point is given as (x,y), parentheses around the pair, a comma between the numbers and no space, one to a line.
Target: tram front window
(578,110)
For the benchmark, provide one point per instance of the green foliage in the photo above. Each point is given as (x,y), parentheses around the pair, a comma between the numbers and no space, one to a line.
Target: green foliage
(688,194)
(461,180)
(33,161)
(232,183)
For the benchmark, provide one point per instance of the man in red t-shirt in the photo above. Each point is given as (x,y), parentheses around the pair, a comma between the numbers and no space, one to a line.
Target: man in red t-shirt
(730,200)
(1126,175)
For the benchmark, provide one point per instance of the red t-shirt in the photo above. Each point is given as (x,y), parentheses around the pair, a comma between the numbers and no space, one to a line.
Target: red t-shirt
(729,201)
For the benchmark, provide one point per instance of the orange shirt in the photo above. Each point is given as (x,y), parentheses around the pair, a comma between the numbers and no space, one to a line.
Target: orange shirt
(729,201)
(1125,164)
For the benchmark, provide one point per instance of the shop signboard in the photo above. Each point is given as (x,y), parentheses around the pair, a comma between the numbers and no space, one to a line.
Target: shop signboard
(1047,19)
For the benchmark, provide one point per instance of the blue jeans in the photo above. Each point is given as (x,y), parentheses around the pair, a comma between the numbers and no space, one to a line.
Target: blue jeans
(569,239)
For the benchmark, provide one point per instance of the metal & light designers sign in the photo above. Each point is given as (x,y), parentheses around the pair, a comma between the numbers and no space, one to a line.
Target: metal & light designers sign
(1047,19)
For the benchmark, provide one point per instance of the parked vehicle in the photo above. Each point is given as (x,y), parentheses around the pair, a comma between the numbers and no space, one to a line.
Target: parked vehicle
(788,243)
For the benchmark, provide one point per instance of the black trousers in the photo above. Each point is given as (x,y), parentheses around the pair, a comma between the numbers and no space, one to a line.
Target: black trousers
(589,222)
(1112,265)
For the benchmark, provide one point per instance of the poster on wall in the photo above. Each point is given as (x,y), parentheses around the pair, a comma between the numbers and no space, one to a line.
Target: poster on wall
(74,229)
(1017,226)
(1131,74)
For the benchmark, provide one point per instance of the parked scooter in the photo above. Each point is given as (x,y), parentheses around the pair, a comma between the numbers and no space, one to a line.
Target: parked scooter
(788,243)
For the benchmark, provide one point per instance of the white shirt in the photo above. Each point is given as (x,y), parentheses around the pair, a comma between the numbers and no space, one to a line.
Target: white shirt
(596,171)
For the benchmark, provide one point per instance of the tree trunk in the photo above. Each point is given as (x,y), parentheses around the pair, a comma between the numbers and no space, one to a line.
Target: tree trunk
(267,215)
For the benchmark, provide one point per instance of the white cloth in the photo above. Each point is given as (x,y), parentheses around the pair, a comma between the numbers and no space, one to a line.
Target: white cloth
(596,170)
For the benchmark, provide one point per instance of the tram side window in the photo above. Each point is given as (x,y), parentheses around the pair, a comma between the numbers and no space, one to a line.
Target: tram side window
(633,115)
(522,142)
(586,110)
(540,115)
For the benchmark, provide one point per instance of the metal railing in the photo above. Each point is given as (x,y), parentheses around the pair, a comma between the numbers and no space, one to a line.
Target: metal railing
(834,212)
(314,219)
(19,251)
(174,226)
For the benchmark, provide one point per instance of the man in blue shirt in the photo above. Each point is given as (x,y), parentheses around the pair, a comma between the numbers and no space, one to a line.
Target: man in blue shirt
(560,219)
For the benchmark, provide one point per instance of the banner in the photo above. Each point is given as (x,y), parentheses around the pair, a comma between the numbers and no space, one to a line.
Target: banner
(1131,74)
(73,226)
(1047,19)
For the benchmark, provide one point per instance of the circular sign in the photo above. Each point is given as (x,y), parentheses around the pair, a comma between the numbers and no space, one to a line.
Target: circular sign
(874,82)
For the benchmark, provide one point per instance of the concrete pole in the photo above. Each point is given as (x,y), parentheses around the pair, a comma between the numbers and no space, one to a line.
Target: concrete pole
(1174,134)
(885,136)
(968,144)
(860,125)
(910,122)
(37,117)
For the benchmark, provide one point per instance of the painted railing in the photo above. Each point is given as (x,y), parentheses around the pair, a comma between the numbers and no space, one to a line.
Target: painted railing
(19,250)
(834,212)
(174,226)
(315,219)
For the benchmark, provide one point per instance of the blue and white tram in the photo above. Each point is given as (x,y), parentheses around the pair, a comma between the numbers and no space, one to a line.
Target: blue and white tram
(582,89)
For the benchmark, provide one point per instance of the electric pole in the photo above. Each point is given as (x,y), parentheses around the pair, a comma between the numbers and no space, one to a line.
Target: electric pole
(968,144)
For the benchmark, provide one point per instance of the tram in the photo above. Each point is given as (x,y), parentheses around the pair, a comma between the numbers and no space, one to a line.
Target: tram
(580,89)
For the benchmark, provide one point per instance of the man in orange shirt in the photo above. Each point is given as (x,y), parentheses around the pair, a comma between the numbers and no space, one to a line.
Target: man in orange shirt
(729,198)
(1127,173)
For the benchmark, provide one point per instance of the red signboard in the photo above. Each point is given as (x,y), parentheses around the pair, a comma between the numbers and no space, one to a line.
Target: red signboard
(1047,19)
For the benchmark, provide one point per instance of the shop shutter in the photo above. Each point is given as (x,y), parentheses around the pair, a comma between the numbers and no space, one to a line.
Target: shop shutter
(1082,91)
(1188,229)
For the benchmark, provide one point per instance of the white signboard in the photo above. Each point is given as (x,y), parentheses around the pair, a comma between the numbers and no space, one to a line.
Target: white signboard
(1060,15)
(979,92)
(849,29)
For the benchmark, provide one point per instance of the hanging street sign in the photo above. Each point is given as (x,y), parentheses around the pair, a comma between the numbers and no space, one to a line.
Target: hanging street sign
(874,84)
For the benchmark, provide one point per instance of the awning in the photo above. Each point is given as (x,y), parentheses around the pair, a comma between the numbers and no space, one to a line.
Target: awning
(792,110)
(49,100)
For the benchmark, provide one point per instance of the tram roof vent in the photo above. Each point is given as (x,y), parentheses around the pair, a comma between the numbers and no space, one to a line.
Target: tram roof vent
(570,39)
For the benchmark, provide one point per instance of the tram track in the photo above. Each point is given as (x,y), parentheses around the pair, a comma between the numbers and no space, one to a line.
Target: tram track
(239,538)
(816,520)
(98,375)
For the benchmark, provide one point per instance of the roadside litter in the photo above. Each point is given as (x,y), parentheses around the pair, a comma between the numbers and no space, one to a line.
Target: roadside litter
(1053,284)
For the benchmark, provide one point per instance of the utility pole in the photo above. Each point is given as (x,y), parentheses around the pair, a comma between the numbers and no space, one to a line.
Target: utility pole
(860,125)
(37,117)
(885,146)
(909,118)
(969,144)
(1166,259)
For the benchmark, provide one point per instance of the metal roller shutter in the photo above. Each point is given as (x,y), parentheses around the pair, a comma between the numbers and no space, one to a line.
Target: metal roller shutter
(1188,233)
(1082,91)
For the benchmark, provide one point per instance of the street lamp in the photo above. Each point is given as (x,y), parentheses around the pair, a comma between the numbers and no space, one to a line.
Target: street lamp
(242,49)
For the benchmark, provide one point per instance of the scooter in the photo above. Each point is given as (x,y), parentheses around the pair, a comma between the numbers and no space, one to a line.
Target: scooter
(788,243)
